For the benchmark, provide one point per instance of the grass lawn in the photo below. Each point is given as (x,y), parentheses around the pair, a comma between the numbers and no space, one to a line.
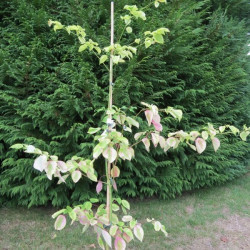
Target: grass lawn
(215,218)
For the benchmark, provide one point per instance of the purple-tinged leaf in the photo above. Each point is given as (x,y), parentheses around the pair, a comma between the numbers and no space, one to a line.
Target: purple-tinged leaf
(200,145)
(126,237)
(60,222)
(127,218)
(149,116)
(138,232)
(120,244)
(156,121)
(106,236)
(155,139)
(83,219)
(131,153)
(115,172)
(76,176)
(114,185)
(110,154)
(40,163)
(99,187)
(146,143)
(158,126)
(156,118)
(62,166)
(129,233)
(162,142)
(194,134)
(216,143)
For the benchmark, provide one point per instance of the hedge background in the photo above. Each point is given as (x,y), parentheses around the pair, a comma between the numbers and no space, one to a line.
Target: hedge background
(50,94)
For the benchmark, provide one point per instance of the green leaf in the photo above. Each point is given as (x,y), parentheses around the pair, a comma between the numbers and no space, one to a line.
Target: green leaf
(116,59)
(133,122)
(156,4)
(83,47)
(243,135)
(148,43)
(158,38)
(138,232)
(100,242)
(129,29)
(113,230)
(87,205)
(76,176)
(204,135)
(222,128)
(93,130)
(115,207)
(58,213)
(72,215)
(97,151)
(126,204)
(85,228)
(17,146)
(137,40)
(157,226)
(91,175)
(93,200)
(234,130)
(103,59)
(132,224)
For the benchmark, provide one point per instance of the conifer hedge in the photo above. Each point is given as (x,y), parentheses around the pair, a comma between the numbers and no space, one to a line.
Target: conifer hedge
(50,94)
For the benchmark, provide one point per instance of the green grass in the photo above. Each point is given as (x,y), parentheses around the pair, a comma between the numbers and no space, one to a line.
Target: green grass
(195,220)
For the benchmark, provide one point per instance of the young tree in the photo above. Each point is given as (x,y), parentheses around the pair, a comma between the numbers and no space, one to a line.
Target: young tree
(113,145)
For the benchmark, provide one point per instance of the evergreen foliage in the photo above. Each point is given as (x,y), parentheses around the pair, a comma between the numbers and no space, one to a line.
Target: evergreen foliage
(50,94)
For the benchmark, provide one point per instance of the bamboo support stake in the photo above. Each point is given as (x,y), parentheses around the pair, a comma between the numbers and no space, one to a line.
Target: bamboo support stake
(108,164)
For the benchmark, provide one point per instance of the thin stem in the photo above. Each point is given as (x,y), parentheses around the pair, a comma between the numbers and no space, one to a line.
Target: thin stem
(110,102)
